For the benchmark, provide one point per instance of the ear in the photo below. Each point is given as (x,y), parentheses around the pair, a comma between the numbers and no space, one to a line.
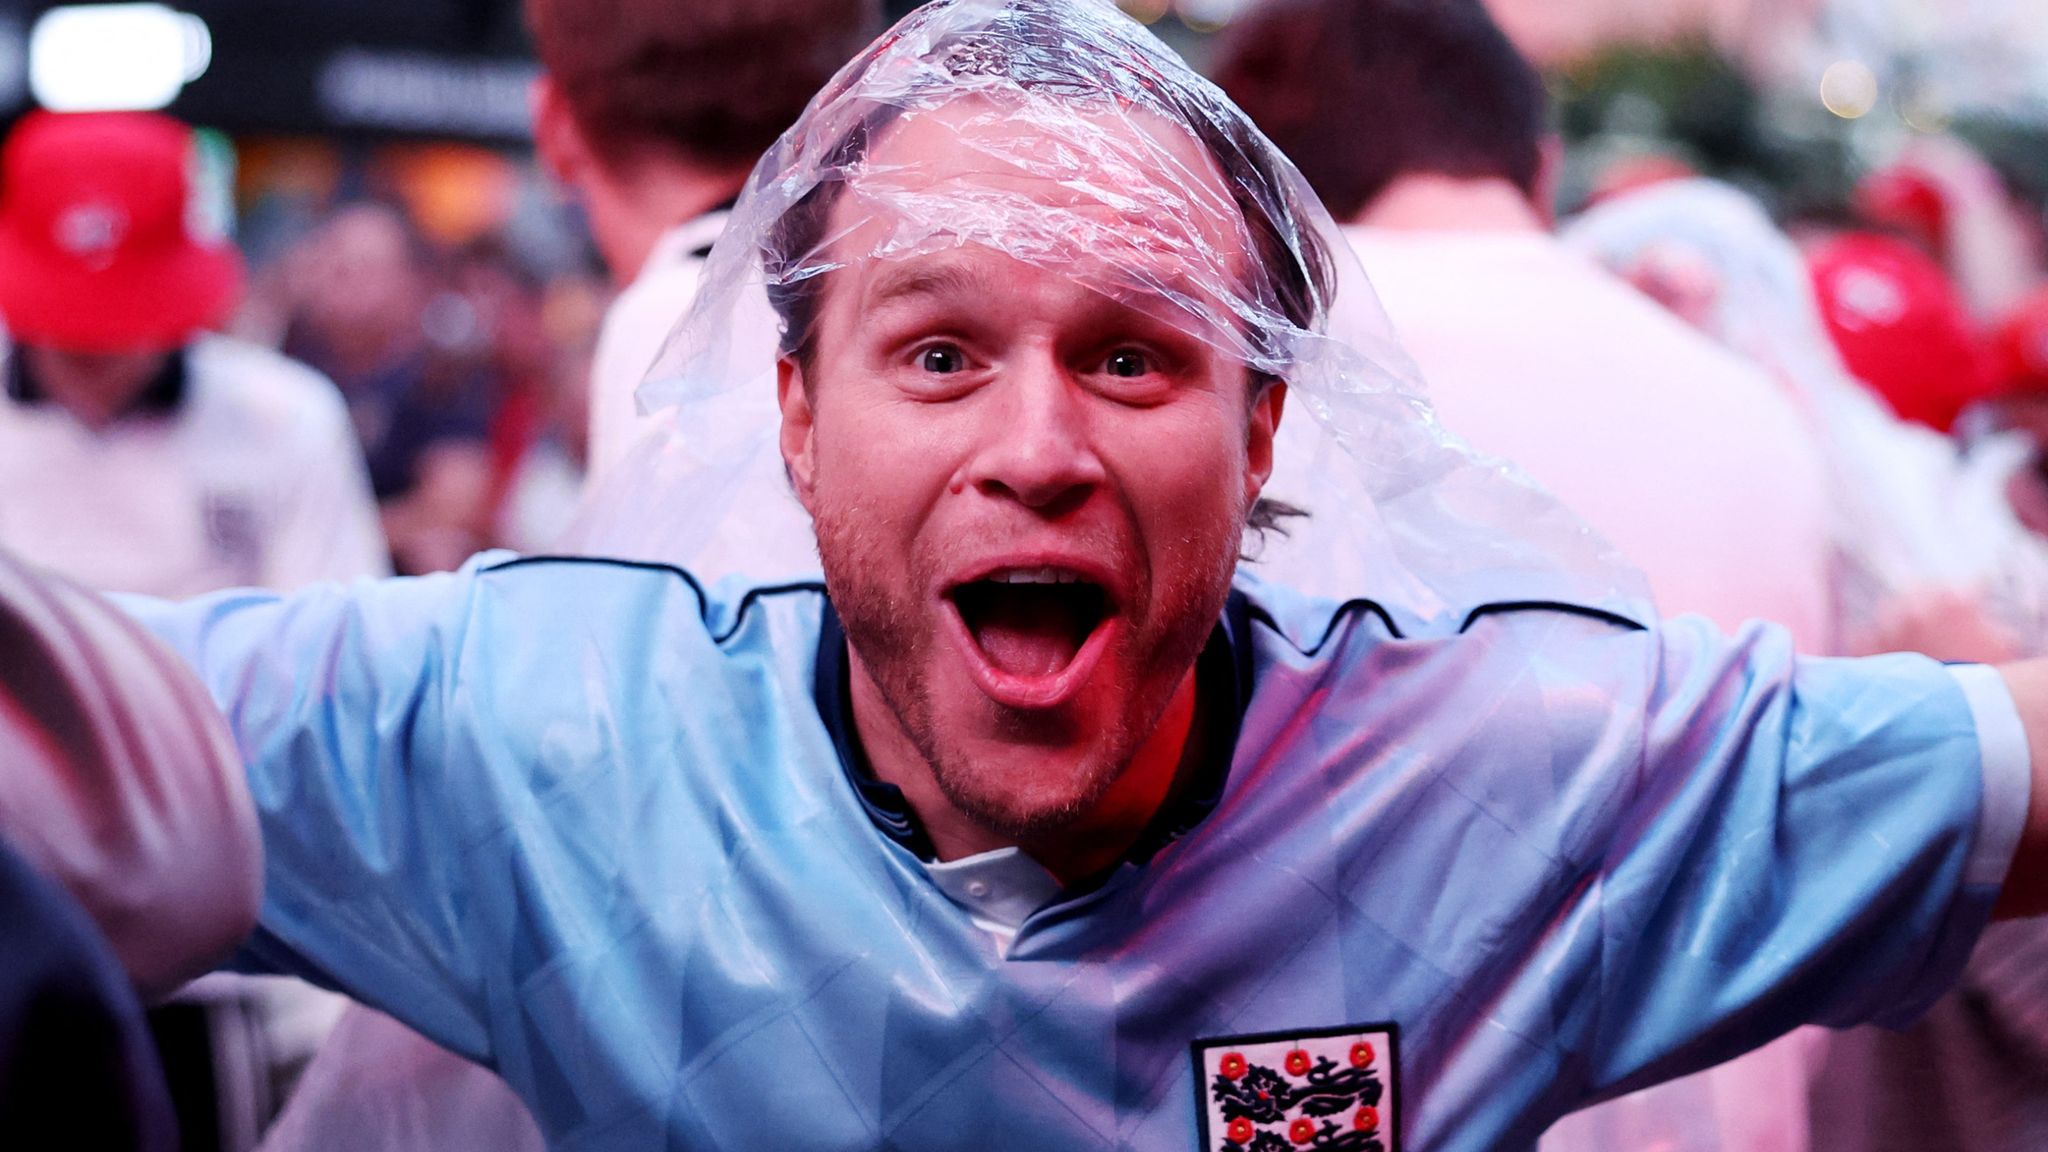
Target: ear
(557,138)
(799,428)
(1265,425)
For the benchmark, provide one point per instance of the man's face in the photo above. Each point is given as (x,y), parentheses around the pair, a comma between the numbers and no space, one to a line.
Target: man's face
(1029,500)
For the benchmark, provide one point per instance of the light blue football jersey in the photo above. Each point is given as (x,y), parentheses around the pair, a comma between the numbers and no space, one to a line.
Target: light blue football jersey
(586,824)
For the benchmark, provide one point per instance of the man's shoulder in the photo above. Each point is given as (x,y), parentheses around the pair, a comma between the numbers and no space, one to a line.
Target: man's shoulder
(736,613)
(1311,624)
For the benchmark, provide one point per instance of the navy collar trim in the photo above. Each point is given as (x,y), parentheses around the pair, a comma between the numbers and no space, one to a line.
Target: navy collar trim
(1223,685)
(164,394)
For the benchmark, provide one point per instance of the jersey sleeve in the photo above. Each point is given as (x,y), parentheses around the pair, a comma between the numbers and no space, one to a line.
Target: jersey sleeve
(343,705)
(1806,841)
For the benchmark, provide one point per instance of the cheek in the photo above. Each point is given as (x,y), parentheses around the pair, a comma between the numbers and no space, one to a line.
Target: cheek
(1183,472)
(887,461)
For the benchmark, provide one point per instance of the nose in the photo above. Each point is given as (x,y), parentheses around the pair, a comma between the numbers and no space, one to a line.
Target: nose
(1038,449)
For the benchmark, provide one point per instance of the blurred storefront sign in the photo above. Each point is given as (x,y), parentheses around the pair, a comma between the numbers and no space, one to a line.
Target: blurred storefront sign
(371,69)
(427,94)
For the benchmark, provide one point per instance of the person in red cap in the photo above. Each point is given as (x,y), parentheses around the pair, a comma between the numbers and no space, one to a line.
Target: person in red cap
(1947,198)
(1900,325)
(139,452)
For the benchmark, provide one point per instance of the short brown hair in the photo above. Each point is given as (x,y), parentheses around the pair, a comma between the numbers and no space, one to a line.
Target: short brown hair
(718,80)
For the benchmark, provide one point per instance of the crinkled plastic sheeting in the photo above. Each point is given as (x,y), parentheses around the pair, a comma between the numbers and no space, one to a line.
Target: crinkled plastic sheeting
(1077,142)
(1909,513)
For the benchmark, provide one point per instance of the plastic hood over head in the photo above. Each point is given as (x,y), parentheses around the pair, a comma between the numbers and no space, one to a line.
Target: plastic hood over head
(1063,135)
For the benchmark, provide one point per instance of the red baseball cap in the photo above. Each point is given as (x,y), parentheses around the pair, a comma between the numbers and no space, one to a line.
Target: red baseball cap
(1900,325)
(105,244)
(1903,197)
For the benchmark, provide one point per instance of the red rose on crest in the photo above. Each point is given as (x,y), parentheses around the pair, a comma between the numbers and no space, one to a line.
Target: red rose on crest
(1301,1131)
(1361,1054)
(1367,1119)
(1297,1063)
(1240,1131)
(1233,1066)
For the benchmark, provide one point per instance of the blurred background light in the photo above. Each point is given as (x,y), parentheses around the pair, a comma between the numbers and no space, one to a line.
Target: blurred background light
(1210,15)
(109,57)
(1849,89)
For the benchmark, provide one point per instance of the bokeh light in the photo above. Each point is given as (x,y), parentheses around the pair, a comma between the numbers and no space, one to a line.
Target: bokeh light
(1849,89)
(111,57)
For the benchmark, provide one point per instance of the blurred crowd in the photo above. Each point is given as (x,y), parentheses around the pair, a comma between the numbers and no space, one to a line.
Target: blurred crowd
(1836,419)
(465,372)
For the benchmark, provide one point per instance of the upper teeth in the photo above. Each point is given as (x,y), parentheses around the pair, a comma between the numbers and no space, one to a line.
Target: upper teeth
(1034,576)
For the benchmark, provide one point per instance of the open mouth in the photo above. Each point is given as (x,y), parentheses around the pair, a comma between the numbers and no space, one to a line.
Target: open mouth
(1031,623)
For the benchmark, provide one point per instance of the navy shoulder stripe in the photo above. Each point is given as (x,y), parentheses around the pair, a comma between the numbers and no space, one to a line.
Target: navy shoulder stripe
(696,587)
(1507,606)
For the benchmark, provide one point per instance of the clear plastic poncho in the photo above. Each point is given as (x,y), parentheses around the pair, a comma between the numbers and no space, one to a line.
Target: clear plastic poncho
(1088,147)
(1910,514)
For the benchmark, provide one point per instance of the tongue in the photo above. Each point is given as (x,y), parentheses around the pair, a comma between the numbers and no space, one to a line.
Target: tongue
(1027,635)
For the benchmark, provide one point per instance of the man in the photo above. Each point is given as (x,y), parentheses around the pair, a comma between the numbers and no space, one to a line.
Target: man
(652,112)
(1026,828)
(1446,182)
(137,452)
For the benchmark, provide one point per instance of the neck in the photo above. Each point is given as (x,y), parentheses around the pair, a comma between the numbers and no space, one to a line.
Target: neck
(1083,848)
(630,211)
(1427,202)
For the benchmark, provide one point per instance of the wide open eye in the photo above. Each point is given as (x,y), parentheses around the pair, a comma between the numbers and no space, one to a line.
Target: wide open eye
(942,359)
(1127,364)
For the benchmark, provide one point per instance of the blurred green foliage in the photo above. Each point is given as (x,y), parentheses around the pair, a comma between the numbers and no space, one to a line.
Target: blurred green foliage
(1688,100)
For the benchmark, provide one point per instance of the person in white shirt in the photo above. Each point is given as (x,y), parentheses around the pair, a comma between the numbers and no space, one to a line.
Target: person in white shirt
(652,112)
(232,466)
(1687,458)
(137,452)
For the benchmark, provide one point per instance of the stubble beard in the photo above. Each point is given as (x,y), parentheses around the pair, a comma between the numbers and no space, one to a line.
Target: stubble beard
(894,635)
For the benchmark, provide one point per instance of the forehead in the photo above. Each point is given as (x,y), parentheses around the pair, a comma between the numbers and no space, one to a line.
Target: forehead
(1070,197)
(1124,200)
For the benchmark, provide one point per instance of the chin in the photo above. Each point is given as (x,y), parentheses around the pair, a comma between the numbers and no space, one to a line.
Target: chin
(1026,794)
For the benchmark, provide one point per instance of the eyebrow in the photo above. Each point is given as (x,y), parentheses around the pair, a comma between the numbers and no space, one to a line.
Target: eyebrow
(905,283)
